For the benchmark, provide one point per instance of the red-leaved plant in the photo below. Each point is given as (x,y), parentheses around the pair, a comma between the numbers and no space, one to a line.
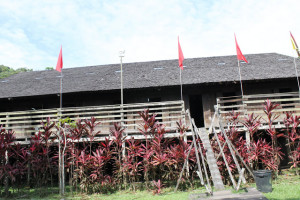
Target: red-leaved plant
(157,187)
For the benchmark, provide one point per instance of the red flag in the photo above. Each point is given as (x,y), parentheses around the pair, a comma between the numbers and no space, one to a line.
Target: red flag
(239,54)
(59,64)
(180,55)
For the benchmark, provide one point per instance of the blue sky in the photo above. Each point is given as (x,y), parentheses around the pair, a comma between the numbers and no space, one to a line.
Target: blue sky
(93,32)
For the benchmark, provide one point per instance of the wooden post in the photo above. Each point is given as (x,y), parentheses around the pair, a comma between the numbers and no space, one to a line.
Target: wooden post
(7,120)
(6,180)
(248,139)
(63,161)
(28,171)
(59,164)
(187,165)
(247,134)
(185,136)
(212,123)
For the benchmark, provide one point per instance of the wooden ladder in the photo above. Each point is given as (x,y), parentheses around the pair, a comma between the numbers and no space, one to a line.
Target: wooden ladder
(210,158)
(211,161)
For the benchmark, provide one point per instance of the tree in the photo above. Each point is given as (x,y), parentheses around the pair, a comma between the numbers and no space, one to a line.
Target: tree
(49,68)
(7,71)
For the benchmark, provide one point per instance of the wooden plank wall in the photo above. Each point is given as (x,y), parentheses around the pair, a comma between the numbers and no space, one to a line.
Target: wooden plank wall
(27,123)
(288,102)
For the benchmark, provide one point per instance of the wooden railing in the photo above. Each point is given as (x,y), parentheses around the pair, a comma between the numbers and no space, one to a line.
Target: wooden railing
(288,102)
(27,123)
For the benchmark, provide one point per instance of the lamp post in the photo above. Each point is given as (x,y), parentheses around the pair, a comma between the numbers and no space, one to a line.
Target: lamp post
(121,55)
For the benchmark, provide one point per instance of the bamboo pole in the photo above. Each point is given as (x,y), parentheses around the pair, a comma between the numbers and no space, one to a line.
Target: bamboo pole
(196,151)
(199,173)
(184,166)
(232,146)
(240,179)
(198,160)
(229,146)
(208,188)
(224,158)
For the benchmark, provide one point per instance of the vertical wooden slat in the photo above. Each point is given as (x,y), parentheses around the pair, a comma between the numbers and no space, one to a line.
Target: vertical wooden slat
(27,122)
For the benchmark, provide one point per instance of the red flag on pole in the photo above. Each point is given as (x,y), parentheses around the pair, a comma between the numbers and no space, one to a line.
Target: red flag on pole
(239,54)
(59,64)
(180,55)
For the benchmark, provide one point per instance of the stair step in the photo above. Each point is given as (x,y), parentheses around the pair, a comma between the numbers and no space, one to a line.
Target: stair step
(212,163)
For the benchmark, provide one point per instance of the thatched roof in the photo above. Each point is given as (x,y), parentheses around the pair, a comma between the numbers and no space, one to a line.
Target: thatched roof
(148,74)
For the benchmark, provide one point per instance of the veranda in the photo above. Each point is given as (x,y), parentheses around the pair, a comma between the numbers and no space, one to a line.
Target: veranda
(26,124)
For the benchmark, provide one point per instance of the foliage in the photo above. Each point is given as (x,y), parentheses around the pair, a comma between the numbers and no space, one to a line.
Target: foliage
(263,150)
(292,123)
(7,71)
(269,107)
(8,170)
(158,187)
(49,68)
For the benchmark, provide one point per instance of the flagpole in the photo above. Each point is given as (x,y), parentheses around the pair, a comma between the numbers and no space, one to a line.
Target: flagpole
(240,56)
(64,142)
(180,60)
(61,170)
(121,54)
(240,79)
(297,75)
(61,152)
(180,83)
(60,101)
(59,139)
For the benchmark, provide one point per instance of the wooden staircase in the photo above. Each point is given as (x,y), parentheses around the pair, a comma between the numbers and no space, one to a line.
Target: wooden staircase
(210,158)
(211,161)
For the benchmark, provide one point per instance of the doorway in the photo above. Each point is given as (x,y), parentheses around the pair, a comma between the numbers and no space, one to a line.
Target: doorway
(196,109)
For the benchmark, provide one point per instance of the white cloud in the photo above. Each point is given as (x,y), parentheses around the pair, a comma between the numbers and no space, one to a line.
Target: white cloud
(93,32)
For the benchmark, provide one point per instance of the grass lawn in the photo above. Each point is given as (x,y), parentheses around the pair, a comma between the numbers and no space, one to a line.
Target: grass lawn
(285,187)
(167,194)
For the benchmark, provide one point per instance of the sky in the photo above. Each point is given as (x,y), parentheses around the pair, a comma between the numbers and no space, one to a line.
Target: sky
(93,32)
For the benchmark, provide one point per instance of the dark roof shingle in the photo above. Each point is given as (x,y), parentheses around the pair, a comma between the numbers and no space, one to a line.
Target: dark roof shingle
(143,74)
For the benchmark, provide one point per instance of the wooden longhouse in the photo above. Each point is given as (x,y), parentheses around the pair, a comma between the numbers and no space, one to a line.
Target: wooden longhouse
(29,97)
